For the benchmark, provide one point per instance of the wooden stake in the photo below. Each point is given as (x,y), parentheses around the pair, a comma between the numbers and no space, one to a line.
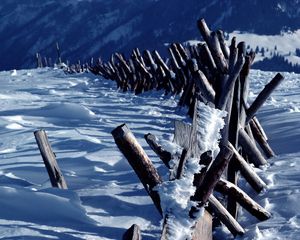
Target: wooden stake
(55,175)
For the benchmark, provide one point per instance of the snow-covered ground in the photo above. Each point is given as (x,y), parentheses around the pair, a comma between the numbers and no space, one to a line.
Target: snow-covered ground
(284,44)
(105,197)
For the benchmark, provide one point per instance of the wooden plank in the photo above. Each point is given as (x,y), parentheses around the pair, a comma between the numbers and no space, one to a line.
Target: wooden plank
(55,175)
(139,161)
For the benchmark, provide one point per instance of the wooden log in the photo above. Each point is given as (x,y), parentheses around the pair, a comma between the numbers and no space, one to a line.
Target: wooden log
(204,86)
(212,176)
(263,95)
(164,155)
(255,119)
(250,148)
(139,161)
(261,140)
(139,56)
(247,171)
(244,89)
(182,51)
(228,188)
(232,170)
(55,175)
(233,55)
(226,91)
(224,47)
(178,56)
(133,233)
(123,63)
(233,226)
(213,43)
(207,58)
(181,164)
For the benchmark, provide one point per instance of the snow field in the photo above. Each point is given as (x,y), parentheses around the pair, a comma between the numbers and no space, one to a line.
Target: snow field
(105,197)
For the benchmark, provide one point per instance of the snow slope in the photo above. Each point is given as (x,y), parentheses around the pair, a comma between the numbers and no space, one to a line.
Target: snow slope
(105,197)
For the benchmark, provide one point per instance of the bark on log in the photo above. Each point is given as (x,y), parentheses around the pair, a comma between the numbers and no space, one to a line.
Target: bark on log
(250,148)
(139,161)
(55,175)
(263,95)
(230,189)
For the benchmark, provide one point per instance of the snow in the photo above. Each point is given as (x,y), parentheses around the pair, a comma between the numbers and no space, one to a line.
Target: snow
(285,44)
(105,197)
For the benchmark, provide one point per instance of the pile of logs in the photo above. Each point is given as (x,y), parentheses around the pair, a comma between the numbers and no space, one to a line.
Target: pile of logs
(217,75)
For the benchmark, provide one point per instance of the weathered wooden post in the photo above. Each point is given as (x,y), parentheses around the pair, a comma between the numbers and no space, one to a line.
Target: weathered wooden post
(55,175)
(139,161)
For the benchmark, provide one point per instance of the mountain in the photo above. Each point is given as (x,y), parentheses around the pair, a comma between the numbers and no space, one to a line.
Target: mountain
(94,28)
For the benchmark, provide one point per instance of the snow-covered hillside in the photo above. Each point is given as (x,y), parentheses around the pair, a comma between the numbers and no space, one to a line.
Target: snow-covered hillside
(97,28)
(105,197)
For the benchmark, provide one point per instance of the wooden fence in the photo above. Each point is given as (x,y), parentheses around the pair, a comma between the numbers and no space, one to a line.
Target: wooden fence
(216,75)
